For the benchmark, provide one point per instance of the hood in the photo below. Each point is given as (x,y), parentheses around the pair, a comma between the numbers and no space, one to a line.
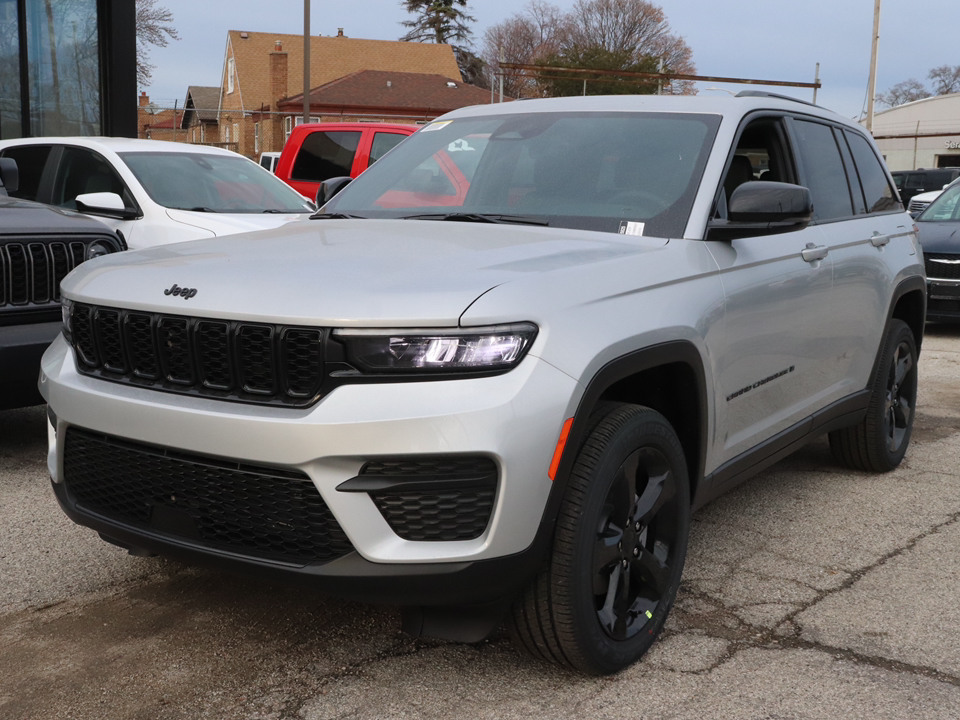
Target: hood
(939,237)
(232,223)
(344,273)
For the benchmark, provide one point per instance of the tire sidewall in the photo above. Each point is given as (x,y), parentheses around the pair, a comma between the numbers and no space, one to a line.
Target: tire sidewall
(642,429)
(899,332)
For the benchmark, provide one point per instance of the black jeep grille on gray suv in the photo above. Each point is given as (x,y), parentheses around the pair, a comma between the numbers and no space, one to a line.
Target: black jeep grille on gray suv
(31,271)
(229,360)
(250,510)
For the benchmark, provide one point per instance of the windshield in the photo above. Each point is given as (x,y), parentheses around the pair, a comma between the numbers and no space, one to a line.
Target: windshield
(212,183)
(631,173)
(945,208)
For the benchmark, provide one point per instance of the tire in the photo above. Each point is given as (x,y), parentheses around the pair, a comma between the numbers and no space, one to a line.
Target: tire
(618,551)
(879,442)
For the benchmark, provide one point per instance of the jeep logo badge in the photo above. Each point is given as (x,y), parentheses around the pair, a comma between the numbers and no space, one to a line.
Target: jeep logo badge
(185,293)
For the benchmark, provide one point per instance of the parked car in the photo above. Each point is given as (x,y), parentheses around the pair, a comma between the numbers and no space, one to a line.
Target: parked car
(315,152)
(268,161)
(39,245)
(508,407)
(154,192)
(919,203)
(938,228)
(911,183)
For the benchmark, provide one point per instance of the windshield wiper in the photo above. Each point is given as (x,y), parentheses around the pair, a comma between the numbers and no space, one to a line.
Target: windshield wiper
(478,218)
(199,208)
(275,211)
(335,216)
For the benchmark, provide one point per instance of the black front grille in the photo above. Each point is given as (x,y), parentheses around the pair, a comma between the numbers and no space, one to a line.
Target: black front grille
(246,362)
(435,499)
(254,511)
(30,271)
(942,270)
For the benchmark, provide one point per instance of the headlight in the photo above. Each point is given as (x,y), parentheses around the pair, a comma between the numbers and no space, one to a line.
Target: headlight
(66,311)
(480,349)
(96,249)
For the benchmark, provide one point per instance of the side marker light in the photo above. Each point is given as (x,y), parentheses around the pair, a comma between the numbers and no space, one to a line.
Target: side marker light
(558,453)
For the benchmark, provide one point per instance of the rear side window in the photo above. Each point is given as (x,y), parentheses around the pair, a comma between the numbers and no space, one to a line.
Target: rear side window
(877,192)
(384,143)
(30,162)
(324,155)
(824,173)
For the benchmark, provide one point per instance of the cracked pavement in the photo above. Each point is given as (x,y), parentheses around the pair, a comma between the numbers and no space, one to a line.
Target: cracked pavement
(809,592)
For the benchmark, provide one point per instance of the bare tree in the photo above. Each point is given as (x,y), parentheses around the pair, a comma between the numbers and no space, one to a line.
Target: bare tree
(946,79)
(439,21)
(539,30)
(903,92)
(154,27)
(634,34)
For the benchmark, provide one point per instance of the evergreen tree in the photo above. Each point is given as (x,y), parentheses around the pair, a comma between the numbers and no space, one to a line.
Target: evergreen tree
(438,21)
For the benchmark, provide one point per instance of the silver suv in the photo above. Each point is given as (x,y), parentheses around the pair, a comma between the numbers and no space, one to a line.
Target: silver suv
(496,373)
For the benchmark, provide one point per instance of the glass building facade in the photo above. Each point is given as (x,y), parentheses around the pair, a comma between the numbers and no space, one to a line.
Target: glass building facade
(67,67)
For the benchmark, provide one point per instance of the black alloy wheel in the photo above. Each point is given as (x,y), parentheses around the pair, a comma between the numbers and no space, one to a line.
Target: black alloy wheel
(619,547)
(879,442)
(632,547)
(901,394)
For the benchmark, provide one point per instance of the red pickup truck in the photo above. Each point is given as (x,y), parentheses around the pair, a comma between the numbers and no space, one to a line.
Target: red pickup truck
(318,151)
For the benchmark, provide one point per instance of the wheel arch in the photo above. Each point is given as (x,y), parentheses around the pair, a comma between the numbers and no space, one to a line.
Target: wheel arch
(909,303)
(667,377)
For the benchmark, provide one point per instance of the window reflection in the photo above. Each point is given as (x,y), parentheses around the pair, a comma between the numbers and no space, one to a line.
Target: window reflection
(64,67)
(10,118)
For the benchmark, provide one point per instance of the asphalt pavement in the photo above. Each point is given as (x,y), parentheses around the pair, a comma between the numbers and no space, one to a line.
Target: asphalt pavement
(809,592)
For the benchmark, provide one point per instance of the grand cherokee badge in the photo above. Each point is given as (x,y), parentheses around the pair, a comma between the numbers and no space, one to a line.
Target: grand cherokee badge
(185,293)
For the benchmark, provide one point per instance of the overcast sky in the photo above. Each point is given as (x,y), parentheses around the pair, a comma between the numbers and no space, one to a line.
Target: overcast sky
(763,39)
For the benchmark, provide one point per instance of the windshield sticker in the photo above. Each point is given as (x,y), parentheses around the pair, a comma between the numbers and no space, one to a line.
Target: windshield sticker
(435,126)
(628,227)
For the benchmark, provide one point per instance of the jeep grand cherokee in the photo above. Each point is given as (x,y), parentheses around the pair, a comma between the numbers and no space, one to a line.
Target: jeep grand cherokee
(508,406)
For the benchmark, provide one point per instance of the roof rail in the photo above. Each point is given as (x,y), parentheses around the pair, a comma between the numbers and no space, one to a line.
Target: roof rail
(761,93)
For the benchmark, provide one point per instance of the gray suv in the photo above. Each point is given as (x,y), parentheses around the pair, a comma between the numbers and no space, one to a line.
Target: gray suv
(496,373)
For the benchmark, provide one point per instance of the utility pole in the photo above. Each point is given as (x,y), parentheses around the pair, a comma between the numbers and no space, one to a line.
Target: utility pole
(816,81)
(872,82)
(306,61)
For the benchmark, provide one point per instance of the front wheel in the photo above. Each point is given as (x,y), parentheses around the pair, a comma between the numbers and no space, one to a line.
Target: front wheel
(879,442)
(619,548)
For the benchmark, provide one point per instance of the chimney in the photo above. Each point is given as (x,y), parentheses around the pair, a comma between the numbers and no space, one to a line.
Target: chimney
(278,73)
(144,99)
(340,32)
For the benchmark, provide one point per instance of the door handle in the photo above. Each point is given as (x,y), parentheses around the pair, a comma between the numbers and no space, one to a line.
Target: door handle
(878,240)
(814,252)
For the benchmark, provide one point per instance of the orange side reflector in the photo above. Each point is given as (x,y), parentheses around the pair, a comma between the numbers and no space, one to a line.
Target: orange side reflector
(558,453)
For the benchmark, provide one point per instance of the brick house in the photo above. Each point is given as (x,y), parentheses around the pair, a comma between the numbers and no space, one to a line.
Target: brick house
(383,95)
(261,69)
(200,115)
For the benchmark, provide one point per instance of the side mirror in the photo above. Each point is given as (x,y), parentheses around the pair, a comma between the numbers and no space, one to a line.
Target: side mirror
(9,174)
(107,204)
(330,187)
(765,208)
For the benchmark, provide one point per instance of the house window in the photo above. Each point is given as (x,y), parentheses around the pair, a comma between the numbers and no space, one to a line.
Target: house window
(287,127)
(236,133)
(226,133)
(230,73)
(256,137)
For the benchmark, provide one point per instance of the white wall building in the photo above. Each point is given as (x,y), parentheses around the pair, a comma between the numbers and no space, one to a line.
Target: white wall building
(921,134)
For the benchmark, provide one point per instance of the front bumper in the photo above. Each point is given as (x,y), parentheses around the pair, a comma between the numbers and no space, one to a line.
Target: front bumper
(21,347)
(514,419)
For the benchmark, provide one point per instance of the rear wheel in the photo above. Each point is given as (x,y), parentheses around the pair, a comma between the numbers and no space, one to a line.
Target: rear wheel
(879,442)
(619,548)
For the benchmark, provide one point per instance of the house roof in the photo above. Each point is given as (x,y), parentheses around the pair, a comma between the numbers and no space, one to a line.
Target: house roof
(424,92)
(204,100)
(330,58)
